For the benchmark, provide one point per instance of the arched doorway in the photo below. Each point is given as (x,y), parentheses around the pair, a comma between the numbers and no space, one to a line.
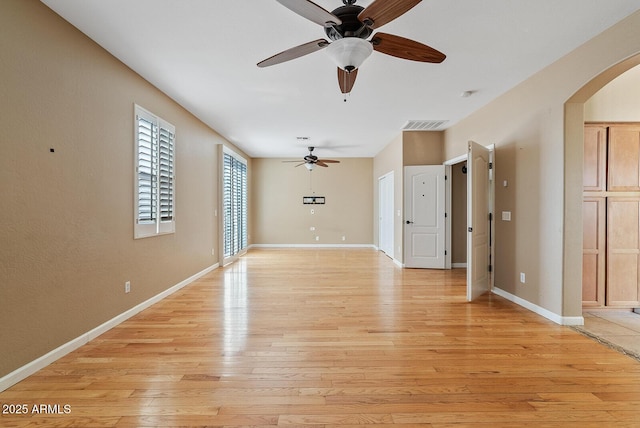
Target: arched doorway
(573,166)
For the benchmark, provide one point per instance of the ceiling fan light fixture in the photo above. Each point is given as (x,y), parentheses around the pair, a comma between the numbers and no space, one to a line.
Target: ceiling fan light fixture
(350,52)
(309,166)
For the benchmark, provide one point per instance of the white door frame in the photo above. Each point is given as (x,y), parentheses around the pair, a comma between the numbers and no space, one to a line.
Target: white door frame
(386,204)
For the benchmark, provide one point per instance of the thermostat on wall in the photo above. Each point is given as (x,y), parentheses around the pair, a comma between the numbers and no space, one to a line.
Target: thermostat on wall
(314,200)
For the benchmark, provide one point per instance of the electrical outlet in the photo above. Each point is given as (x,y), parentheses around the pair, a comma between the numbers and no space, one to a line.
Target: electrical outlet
(127,287)
(344,238)
(312,228)
(522,277)
(317,238)
(213,251)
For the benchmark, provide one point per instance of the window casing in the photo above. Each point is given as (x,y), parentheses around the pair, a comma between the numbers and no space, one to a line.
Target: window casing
(154,190)
(234,204)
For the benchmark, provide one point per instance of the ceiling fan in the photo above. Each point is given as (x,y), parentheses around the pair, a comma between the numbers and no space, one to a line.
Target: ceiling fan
(348,27)
(311,160)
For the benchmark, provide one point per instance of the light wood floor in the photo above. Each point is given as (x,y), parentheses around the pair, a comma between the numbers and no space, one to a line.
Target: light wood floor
(334,338)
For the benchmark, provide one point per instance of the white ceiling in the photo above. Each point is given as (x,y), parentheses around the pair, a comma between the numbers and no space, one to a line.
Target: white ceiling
(203,54)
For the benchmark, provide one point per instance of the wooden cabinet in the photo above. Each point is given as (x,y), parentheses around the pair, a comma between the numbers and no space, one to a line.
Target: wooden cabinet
(623,251)
(593,253)
(624,158)
(611,215)
(595,158)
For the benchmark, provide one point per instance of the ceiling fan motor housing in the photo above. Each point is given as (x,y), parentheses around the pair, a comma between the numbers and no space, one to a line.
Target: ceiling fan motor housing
(311,158)
(351,25)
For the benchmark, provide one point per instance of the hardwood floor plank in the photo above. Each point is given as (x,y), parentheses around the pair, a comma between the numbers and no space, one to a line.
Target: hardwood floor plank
(352,341)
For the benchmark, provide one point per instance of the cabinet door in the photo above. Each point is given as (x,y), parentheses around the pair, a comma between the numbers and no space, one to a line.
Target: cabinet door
(595,158)
(593,251)
(623,251)
(624,158)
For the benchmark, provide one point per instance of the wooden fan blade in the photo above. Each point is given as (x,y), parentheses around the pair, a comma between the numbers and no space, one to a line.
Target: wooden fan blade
(300,164)
(346,80)
(311,11)
(294,53)
(328,161)
(381,12)
(405,48)
(320,163)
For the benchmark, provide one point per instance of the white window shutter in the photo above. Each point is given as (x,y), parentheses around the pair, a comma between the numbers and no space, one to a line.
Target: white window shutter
(155,175)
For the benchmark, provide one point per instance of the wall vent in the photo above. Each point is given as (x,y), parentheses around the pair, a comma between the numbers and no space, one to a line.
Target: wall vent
(423,125)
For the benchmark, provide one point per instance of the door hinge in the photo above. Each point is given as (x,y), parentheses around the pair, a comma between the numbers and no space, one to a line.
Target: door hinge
(490,165)
(446,178)
(445,215)
(490,267)
(445,252)
(470,229)
(490,216)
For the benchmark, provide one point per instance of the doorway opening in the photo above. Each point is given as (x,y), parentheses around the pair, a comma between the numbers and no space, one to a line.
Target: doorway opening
(573,165)
(471,224)
(456,170)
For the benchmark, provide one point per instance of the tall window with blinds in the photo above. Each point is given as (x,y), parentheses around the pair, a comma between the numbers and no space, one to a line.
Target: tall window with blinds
(154,176)
(234,204)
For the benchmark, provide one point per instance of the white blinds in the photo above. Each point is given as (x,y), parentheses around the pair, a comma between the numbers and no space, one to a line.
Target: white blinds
(235,205)
(155,175)
(165,174)
(147,167)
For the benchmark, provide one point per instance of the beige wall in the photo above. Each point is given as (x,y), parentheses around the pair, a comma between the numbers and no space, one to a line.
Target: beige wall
(422,148)
(66,231)
(619,101)
(280,217)
(527,125)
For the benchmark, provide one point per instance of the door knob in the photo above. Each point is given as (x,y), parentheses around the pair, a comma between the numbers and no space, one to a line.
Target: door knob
(409,222)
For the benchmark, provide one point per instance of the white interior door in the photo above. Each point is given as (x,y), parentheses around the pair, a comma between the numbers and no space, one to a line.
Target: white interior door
(385,214)
(478,221)
(424,228)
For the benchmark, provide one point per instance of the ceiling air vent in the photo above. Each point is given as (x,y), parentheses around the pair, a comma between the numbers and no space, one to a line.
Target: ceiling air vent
(423,125)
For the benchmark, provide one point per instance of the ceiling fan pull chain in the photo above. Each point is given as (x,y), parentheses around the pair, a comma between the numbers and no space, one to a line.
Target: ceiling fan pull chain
(345,78)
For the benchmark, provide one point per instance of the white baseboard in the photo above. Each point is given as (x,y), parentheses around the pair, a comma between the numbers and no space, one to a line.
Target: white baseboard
(312,246)
(558,319)
(30,368)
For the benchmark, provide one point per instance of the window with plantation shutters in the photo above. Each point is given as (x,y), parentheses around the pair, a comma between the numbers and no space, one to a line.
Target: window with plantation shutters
(155,175)
(234,204)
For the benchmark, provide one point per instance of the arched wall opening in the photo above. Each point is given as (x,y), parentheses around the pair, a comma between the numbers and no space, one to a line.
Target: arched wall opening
(573,170)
